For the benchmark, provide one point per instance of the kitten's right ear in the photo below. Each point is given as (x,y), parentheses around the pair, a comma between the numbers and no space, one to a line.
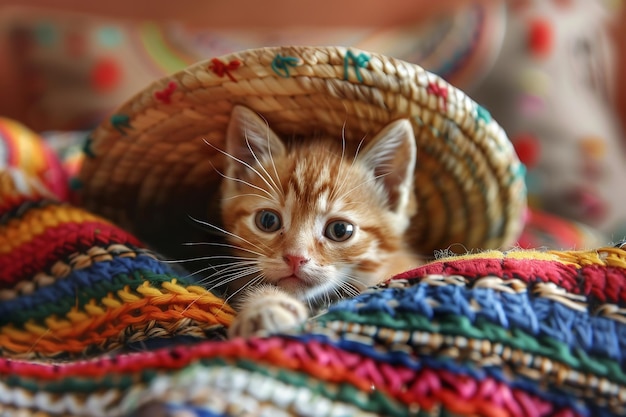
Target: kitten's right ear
(391,157)
(249,139)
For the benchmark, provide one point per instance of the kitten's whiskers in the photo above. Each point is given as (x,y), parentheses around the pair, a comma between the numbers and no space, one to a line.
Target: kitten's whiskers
(254,281)
(274,186)
(226,232)
(225,245)
(250,195)
(230,274)
(247,165)
(228,266)
(340,181)
(242,181)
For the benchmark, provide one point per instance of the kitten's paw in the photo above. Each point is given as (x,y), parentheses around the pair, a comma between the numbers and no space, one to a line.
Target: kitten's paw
(268,315)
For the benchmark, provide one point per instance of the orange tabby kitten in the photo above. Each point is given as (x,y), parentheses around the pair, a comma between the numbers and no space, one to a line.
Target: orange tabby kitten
(310,225)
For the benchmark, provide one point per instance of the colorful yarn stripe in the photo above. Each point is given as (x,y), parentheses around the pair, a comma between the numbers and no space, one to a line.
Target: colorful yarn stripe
(36,233)
(42,251)
(73,285)
(73,262)
(102,278)
(403,334)
(102,323)
(329,372)
(598,274)
(539,310)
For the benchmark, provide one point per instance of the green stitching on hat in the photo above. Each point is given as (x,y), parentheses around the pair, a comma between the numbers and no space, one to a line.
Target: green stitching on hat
(518,172)
(483,114)
(359,61)
(87,147)
(120,122)
(281,64)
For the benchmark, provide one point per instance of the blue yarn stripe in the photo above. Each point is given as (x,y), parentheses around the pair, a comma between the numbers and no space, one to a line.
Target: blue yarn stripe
(97,274)
(190,410)
(534,314)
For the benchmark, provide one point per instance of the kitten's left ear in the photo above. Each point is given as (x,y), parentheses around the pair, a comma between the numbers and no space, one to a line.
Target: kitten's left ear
(391,156)
(249,139)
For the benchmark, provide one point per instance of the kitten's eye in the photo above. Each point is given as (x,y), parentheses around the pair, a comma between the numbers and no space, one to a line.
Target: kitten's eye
(339,230)
(268,221)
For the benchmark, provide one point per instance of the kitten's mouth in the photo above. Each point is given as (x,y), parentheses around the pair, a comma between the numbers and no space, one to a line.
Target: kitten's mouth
(292,281)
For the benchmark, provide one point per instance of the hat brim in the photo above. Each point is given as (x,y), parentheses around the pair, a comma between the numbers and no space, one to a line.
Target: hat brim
(148,166)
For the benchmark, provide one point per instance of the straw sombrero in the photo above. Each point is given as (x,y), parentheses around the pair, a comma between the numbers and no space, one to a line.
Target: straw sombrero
(149,169)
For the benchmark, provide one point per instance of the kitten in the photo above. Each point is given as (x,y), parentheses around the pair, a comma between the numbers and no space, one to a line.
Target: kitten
(311,226)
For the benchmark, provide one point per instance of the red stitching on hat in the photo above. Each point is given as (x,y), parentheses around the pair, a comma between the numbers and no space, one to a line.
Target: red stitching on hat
(439,91)
(165,95)
(220,68)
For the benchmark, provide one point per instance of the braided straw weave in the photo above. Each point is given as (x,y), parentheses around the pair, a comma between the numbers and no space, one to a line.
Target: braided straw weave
(148,166)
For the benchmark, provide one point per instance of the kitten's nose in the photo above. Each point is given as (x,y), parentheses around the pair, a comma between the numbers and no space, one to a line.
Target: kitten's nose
(295,261)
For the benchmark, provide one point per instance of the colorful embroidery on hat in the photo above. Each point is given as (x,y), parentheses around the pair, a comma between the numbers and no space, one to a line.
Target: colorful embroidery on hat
(281,64)
(482,114)
(87,147)
(221,68)
(358,61)
(439,91)
(165,95)
(121,122)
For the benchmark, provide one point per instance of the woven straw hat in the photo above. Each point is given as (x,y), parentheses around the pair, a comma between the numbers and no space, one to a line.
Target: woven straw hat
(149,169)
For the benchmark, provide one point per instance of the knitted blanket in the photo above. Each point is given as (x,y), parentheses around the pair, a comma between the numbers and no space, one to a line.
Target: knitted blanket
(92,323)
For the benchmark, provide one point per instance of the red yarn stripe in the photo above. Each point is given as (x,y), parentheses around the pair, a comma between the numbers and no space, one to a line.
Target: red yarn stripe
(56,243)
(602,283)
(12,202)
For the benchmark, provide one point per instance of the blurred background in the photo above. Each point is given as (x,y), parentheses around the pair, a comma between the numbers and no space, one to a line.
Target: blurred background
(549,71)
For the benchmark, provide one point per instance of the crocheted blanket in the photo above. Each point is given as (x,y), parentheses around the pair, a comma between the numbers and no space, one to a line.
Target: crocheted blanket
(92,323)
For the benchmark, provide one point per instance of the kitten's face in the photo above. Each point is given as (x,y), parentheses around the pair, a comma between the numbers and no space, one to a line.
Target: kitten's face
(310,221)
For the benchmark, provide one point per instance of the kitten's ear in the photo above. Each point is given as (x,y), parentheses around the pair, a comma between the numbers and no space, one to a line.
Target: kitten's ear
(391,156)
(250,139)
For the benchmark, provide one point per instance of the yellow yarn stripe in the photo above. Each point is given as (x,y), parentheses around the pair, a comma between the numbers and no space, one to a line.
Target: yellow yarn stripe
(607,256)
